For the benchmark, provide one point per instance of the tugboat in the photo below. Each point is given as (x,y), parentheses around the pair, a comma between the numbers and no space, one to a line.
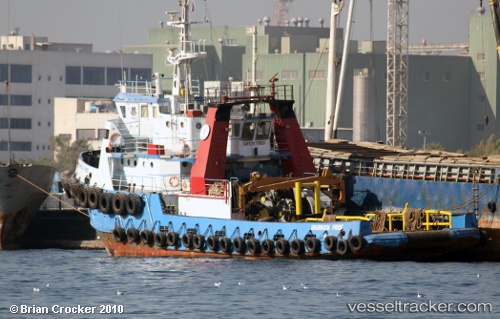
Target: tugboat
(183,175)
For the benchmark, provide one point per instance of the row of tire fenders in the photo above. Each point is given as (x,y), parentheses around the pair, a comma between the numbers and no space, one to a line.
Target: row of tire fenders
(108,203)
(253,245)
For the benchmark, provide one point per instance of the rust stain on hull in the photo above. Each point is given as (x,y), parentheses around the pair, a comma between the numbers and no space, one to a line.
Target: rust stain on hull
(445,251)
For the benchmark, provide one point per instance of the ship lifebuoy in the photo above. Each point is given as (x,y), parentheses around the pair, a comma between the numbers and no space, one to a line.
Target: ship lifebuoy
(356,243)
(173,181)
(268,247)
(313,245)
(111,138)
(213,243)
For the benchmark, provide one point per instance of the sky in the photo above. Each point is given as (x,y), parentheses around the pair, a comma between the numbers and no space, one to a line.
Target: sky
(112,24)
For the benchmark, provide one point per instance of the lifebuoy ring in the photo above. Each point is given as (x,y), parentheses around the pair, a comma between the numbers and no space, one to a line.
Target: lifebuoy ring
(187,240)
(213,243)
(356,243)
(119,234)
(330,243)
(239,245)
(313,245)
(199,242)
(342,246)
(133,235)
(111,138)
(174,181)
(268,247)
(161,240)
(147,237)
(297,247)
(283,247)
(254,246)
(105,202)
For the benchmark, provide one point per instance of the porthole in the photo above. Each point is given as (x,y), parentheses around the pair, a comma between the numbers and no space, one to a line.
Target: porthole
(151,164)
(198,125)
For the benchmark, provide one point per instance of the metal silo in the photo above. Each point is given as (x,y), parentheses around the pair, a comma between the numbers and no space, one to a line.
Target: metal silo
(364,120)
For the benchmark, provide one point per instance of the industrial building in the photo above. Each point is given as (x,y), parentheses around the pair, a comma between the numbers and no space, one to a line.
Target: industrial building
(452,96)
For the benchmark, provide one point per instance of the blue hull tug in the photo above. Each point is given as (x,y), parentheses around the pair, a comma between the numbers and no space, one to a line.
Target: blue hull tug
(231,176)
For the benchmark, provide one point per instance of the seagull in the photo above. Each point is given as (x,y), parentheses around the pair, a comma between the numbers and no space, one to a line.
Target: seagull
(478,275)
(419,295)
(217,284)
(48,285)
(286,287)
(305,286)
(338,295)
(240,283)
(36,289)
(120,292)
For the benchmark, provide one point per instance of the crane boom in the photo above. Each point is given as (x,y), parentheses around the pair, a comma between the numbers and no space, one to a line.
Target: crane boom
(495,14)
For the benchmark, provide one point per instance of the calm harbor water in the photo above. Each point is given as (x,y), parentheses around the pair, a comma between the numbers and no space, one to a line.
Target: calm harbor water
(70,280)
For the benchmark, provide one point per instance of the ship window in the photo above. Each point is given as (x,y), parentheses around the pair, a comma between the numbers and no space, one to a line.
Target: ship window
(155,112)
(123,111)
(133,111)
(165,107)
(144,111)
(263,130)
(234,129)
(248,131)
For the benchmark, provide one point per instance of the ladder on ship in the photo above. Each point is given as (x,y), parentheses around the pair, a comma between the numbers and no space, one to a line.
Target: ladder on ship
(476,176)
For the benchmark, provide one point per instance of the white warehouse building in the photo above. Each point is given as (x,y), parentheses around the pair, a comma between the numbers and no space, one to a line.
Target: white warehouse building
(33,72)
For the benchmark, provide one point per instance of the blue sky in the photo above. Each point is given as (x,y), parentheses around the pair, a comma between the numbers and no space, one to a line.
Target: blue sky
(111,24)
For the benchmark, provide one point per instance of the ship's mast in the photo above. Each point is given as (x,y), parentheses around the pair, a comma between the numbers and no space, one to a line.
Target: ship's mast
(189,53)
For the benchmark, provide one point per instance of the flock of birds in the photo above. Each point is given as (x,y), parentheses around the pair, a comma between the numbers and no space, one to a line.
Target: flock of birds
(240,283)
